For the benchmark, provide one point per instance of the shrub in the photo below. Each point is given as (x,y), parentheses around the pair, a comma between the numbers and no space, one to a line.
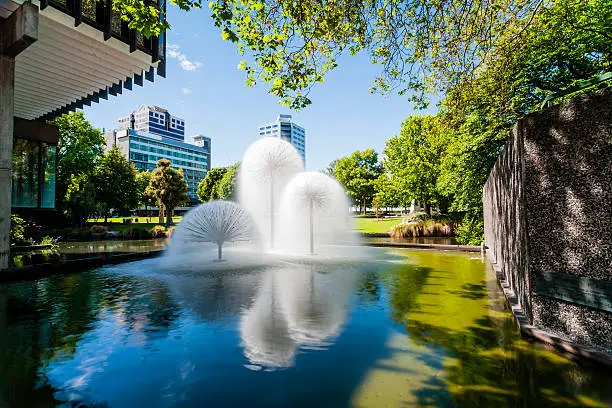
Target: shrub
(98,229)
(127,221)
(425,228)
(470,231)
(47,240)
(135,233)
(158,231)
(79,234)
(17,232)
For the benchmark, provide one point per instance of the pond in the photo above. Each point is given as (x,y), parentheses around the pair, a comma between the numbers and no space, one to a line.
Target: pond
(413,328)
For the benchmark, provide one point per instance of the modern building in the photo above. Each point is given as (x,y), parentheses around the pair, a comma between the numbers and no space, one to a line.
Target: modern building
(55,57)
(151,133)
(286,129)
(154,120)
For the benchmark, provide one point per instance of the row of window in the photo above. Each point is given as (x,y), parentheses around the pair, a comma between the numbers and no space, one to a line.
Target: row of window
(176,148)
(168,153)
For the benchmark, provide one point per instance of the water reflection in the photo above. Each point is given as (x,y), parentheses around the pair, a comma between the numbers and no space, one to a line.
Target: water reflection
(432,330)
(298,305)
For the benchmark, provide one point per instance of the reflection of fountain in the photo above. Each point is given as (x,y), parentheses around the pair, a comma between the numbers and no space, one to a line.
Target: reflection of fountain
(216,222)
(266,167)
(296,306)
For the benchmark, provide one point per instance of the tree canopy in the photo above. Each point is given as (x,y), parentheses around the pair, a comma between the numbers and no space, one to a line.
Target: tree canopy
(168,186)
(226,189)
(358,173)
(79,147)
(209,186)
(115,182)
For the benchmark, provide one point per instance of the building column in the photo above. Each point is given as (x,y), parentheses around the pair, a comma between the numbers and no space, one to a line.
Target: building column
(17,32)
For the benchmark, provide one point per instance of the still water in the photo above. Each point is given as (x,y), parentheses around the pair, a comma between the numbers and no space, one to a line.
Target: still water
(414,328)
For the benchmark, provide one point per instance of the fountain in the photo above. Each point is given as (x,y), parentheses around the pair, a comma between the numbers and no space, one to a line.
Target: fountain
(288,212)
(267,166)
(216,222)
(314,209)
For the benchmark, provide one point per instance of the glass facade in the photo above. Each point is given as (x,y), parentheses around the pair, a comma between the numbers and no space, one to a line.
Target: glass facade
(33,176)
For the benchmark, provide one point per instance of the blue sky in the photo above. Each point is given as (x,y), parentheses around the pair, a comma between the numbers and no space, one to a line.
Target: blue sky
(204,87)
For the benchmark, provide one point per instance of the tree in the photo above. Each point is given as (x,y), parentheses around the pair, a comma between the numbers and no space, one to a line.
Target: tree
(413,159)
(387,195)
(168,186)
(208,187)
(226,189)
(143,179)
(358,174)
(79,147)
(115,182)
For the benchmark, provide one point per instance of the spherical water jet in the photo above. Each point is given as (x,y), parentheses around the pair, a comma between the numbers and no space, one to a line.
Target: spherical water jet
(217,222)
(267,165)
(314,209)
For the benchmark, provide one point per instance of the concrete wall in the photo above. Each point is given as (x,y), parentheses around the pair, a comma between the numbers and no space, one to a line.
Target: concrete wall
(548,208)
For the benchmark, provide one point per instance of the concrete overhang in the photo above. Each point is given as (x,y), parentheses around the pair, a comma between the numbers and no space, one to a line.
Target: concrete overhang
(84,53)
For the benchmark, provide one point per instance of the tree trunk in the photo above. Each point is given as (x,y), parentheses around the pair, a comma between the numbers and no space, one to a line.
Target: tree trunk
(168,217)
(364,206)
(161,214)
(105,218)
(428,208)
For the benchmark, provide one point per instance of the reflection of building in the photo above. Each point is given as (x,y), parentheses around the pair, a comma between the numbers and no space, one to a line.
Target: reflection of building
(71,53)
(151,133)
(285,129)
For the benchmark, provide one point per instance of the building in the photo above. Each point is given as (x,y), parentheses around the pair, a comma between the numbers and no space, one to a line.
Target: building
(287,130)
(151,133)
(154,120)
(55,57)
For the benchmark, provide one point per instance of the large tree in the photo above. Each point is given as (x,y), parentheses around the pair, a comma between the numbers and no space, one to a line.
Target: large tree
(115,181)
(358,174)
(168,186)
(208,187)
(413,160)
(80,145)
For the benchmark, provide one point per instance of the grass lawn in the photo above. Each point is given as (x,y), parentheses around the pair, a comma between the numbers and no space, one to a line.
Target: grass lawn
(374,225)
(116,224)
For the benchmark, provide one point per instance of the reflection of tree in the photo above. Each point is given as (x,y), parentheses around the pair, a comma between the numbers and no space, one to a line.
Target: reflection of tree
(458,311)
(368,287)
(45,320)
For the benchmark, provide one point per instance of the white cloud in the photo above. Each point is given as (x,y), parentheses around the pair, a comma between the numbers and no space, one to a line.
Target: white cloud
(174,51)
(186,90)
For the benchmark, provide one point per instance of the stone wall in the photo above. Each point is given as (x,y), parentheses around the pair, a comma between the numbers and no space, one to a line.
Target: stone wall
(548,212)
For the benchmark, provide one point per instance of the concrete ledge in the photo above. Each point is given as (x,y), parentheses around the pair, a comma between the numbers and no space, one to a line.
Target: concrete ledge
(31,272)
(531,331)
(443,247)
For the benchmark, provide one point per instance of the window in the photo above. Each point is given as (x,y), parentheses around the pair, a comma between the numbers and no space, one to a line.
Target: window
(33,179)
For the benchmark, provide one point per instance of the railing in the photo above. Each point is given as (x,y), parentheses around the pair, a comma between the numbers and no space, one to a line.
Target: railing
(100,15)
(578,87)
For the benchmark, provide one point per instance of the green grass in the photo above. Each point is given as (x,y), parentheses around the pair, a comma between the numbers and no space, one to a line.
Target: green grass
(141,220)
(374,225)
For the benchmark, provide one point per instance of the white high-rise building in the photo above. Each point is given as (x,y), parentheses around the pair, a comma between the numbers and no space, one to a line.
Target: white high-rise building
(286,129)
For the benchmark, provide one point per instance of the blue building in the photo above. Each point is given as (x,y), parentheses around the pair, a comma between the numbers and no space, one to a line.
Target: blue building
(284,128)
(151,133)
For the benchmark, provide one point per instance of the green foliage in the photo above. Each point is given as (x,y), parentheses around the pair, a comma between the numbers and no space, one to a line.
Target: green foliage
(358,174)
(208,188)
(135,233)
(115,181)
(79,147)
(143,178)
(413,159)
(168,186)
(226,188)
(17,230)
(470,231)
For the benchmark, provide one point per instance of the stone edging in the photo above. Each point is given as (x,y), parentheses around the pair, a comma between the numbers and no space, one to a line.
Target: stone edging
(43,270)
(529,330)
